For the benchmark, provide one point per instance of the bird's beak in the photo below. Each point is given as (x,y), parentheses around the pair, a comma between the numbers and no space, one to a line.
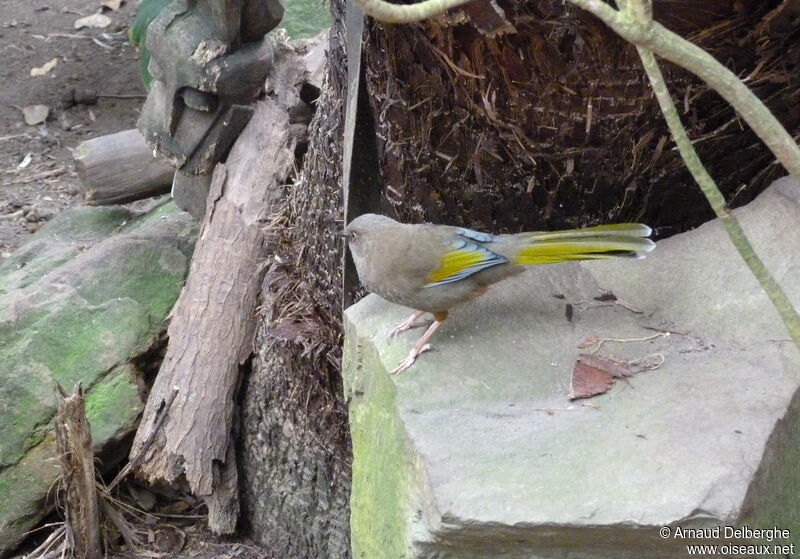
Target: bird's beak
(340,233)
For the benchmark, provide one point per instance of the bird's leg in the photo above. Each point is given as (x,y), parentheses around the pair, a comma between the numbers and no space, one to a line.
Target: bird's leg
(411,322)
(422,344)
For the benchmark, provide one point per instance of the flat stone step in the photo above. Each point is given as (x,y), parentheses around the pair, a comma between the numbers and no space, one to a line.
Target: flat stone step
(476,451)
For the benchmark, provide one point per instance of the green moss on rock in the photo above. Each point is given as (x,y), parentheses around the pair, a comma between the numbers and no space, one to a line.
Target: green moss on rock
(382,464)
(112,403)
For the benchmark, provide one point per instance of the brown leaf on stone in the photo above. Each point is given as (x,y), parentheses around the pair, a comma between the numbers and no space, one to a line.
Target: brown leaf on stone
(593,375)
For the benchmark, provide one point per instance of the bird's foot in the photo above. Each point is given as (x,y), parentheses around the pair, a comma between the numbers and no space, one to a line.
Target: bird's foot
(410,358)
(412,321)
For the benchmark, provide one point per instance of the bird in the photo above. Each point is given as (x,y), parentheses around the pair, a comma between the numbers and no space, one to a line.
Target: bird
(433,268)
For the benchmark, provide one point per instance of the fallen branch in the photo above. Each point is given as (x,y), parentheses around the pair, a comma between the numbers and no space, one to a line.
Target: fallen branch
(598,341)
(211,330)
(39,176)
(44,549)
(123,95)
(137,459)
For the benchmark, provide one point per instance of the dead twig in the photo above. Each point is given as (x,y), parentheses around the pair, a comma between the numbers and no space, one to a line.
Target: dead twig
(14,136)
(74,443)
(17,213)
(128,533)
(39,176)
(592,340)
(645,364)
(669,331)
(457,69)
(136,460)
(51,540)
(552,411)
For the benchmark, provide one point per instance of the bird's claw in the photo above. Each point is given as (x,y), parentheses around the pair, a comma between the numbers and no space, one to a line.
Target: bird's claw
(409,360)
(396,331)
(412,322)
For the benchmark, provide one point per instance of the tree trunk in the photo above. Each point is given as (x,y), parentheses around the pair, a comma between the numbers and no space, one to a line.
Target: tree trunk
(295,452)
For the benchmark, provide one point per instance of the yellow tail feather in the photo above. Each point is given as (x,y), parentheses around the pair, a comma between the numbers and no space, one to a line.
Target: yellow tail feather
(605,241)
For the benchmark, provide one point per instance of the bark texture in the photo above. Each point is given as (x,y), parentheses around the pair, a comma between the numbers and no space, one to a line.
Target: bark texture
(295,452)
(554,125)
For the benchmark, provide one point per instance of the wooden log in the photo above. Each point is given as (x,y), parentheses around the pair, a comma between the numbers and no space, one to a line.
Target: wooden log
(120,168)
(210,334)
(74,442)
(212,328)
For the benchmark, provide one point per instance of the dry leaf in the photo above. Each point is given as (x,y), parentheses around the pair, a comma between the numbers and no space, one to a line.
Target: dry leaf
(42,70)
(112,4)
(94,20)
(35,114)
(614,368)
(593,375)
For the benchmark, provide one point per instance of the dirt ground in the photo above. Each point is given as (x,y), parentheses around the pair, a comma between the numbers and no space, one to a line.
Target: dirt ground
(37,176)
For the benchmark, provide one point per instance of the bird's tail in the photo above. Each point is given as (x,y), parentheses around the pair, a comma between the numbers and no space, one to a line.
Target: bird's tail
(602,241)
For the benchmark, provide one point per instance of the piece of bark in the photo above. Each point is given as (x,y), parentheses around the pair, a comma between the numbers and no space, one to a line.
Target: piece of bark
(120,168)
(74,443)
(211,331)
(593,375)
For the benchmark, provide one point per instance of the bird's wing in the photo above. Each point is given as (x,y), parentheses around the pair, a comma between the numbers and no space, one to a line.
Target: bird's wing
(464,257)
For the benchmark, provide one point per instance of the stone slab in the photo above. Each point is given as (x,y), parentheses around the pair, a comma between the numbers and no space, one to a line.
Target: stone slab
(476,450)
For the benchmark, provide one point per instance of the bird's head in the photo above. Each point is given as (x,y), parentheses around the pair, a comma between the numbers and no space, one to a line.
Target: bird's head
(362,230)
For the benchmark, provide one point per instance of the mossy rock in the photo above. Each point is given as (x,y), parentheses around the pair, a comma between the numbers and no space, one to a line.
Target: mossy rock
(79,302)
